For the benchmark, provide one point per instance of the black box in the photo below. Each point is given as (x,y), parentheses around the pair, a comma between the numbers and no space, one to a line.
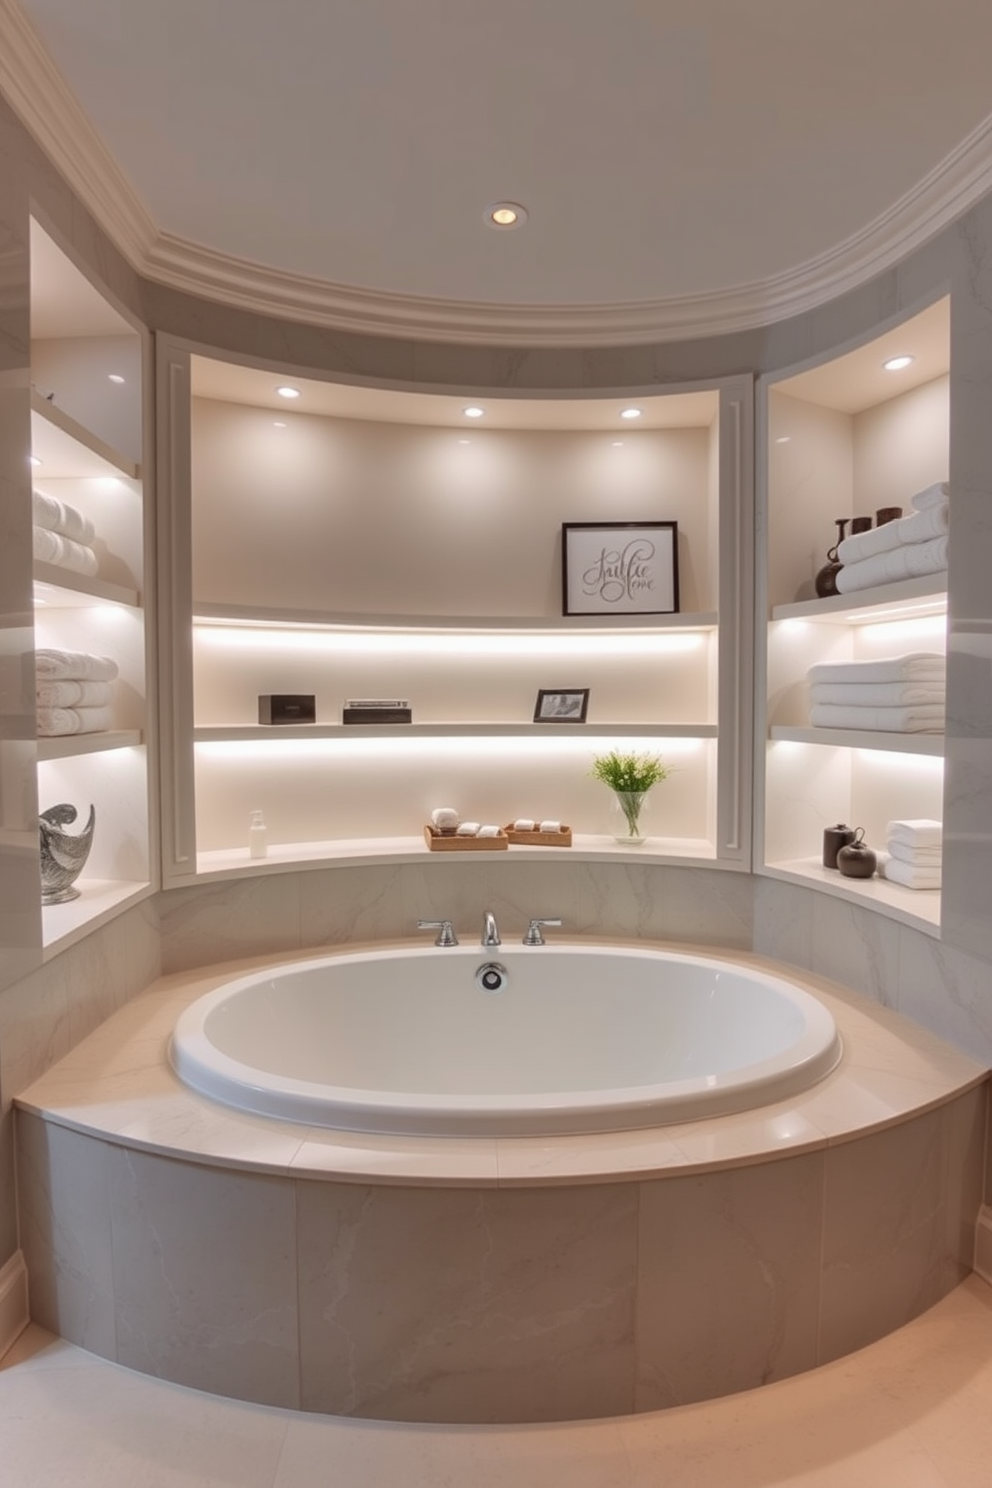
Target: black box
(287,707)
(376,715)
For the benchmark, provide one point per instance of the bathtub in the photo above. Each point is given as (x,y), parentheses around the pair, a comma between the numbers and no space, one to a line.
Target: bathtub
(564,1039)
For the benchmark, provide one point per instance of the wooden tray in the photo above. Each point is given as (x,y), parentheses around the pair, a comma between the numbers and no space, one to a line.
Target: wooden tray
(537,838)
(450,842)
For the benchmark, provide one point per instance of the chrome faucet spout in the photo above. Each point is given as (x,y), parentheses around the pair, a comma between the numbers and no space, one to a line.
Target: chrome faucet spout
(490,932)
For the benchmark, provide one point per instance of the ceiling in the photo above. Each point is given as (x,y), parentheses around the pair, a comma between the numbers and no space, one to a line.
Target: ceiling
(663,149)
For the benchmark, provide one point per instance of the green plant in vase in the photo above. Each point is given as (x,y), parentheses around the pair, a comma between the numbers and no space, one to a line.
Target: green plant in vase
(629,777)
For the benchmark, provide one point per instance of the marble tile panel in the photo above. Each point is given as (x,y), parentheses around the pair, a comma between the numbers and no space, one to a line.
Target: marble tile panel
(885,1252)
(856,947)
(227,919)
(579,1455)
(190,1305)
(344,904)
(947,991)
(468,1305)
(747,1135)
(96,974)
(34,1028)
(783,922)
(963,1171)
(706,906)
(728,1270)
(64,1206)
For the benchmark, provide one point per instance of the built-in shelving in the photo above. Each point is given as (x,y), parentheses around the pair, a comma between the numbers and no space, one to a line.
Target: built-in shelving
(66,449)
(399,731)
(62,589)
(929,744)
(69,746)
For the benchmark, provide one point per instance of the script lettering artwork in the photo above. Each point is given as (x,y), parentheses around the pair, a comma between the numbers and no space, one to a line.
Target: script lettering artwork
(621,573)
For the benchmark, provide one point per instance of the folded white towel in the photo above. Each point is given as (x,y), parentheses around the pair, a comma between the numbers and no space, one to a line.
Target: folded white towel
(53,722)
(935,495)
(488,829)
(72,694)
(924,857)
(918,831)
(922,718)
(911,666)
(52,547)
(920,527)
(878,694)
(59,516)
(909,561)
(444,818)
(53,665)
(909,875)
(467,829)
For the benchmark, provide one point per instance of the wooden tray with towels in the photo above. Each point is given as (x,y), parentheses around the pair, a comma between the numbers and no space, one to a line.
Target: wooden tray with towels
(451,842)
(536,838)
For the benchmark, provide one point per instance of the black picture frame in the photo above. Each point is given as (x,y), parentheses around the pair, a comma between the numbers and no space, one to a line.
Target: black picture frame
(620,568)
(561,705)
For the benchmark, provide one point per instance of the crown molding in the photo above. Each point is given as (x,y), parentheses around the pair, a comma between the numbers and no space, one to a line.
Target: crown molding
(39,94)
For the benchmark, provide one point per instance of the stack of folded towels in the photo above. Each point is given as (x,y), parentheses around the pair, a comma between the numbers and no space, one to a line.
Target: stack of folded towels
(74,692)
(912,854)
(63,536)
(898,694)
(904,549)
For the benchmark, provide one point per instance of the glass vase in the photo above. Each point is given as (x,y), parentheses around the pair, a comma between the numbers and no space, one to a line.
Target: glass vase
(629,811)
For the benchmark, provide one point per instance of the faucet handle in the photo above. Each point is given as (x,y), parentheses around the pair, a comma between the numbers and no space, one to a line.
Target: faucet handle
(534,936)
(445,935)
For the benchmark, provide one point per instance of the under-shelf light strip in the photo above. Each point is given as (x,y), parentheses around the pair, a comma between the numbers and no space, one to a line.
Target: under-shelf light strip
(444,643)
(272,751)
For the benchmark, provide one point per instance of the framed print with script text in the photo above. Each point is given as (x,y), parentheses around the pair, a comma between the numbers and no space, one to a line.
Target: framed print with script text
(620,568)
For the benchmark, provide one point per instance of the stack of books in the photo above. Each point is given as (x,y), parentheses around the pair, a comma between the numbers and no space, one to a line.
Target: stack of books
(377,710)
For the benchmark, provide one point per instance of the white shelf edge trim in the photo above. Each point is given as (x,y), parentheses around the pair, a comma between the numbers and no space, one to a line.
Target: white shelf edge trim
(44,102)
(69,585)
(241,617)
(14,1314)
(906,600)
(100,901)
(919,908)
(254,733)
(70,428)
(928,744)
(69,746)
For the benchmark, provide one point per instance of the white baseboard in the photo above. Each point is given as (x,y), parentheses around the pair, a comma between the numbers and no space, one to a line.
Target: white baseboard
(983,1243)
(14,1314)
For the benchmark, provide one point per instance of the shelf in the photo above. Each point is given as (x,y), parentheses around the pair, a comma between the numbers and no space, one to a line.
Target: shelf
(919,908)
(59,588)
(300,856)
(244,617)
(908,599)
(929,744)
(66,449)
(69,746)
(99,900)
(268,732)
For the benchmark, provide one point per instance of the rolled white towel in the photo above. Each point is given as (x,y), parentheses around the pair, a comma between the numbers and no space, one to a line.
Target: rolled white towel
(909,561)
(935,495)
(910,666)
(52,547)
(523,824)
(878,694)
(550,826)
(444,818)
(53,665)
(467,829)
(74,694)
(920,527)
(488,830)
(921,718)
(910,875)
(59,516)
(54,722)
(924,857)
(917,831)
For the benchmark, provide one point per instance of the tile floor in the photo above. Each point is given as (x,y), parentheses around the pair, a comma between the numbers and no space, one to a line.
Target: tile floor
(912,1411)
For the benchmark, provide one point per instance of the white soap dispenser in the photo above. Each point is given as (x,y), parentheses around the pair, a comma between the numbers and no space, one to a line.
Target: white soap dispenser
(257,836)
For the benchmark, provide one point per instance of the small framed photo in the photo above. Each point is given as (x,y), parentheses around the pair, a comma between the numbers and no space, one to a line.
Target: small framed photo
(562,706)
(620,568)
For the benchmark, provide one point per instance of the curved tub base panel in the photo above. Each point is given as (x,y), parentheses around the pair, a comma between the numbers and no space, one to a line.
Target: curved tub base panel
(495,1305)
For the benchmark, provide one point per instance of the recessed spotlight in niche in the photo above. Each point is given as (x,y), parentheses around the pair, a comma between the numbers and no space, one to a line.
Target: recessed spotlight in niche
(278,423)
(288,392)
(783,439)
(630,413)
(473,412)
(617,443)
(463,441)
(33,460)
(897,363)
(114,377)
(504,215)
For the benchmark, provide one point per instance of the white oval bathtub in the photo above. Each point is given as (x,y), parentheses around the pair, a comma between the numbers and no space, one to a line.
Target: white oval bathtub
(582,1039)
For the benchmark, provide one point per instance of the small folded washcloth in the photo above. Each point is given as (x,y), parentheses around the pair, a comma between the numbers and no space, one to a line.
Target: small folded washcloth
(52,547)
(52,665)
(909,561)
(924,857)
(909,667)
(920,527)
(878,694)
(59,516)
(909,875)
(72,694)
(935,495)
(920,831)
(922,718)
(53,722)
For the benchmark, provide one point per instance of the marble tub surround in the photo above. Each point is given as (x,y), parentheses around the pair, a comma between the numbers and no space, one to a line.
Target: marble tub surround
(499,1279)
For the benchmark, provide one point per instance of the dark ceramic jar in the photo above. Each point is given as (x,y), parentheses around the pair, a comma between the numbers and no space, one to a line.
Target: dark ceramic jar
(834,838)
(857,860)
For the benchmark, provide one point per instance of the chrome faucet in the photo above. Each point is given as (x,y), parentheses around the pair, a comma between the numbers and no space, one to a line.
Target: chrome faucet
(490,933)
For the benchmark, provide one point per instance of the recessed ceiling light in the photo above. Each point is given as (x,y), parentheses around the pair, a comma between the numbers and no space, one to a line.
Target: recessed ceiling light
(896,363)
(783,439)
(473,412)
(463,441)
(630,413)
(288,392)
(278,423)
(505,214)
(114,377)
(617,444)
(33,460)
